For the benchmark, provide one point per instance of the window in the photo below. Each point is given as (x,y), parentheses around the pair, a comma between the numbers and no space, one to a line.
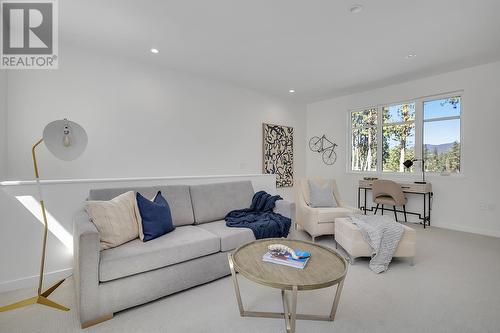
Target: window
(364,140)
(383,137)
(398,136)
(442,135)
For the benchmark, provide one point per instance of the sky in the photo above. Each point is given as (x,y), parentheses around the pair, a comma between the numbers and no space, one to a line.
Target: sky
(438,132)
(435,132)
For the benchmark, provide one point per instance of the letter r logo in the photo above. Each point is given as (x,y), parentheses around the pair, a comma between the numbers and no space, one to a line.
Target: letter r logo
(27,28)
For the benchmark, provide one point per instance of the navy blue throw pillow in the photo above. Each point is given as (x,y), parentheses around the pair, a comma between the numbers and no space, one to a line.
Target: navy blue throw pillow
(156,216)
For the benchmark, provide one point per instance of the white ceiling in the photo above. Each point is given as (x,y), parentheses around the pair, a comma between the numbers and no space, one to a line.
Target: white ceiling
(316,47)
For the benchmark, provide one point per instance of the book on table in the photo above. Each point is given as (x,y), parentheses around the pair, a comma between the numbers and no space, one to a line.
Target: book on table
(285,260)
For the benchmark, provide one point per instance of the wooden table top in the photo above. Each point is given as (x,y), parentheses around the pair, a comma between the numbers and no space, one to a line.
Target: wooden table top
(324,269)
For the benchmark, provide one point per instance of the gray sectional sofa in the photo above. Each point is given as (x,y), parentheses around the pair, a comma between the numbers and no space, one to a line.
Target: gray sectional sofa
(194,253)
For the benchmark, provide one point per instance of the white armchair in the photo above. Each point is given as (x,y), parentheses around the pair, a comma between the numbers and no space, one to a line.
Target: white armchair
(318,221)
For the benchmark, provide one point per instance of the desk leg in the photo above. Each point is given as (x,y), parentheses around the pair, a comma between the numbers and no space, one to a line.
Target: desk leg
(365,202)
(430,208)
(425,209)
(359,198)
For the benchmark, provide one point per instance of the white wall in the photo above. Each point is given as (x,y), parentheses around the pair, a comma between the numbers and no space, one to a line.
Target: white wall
(468,202)
(142,120)
(3,124)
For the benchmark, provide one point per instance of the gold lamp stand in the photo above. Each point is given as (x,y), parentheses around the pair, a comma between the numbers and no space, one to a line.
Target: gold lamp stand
(41,297)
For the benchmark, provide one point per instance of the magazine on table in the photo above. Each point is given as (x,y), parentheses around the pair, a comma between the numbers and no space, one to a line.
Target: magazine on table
(287,260)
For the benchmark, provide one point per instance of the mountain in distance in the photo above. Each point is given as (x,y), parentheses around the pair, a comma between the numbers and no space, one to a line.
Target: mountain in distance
(441,148)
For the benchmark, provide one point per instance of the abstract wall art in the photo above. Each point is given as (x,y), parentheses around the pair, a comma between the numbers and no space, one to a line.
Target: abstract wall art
(277,153)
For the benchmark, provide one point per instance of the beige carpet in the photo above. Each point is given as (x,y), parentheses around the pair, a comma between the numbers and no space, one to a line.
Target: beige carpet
(453,287)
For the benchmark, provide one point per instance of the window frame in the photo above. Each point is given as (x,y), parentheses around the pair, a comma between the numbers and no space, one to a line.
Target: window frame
(380,168)
(351,127)
(419,128)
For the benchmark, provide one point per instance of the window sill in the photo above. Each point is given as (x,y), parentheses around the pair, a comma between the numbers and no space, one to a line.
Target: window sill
(415,176)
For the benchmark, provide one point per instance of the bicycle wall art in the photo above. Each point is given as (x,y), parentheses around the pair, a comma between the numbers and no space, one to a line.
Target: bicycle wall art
(277,153)
(324,147)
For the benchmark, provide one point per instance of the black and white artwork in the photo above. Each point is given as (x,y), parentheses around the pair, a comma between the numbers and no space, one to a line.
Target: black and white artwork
(278,153)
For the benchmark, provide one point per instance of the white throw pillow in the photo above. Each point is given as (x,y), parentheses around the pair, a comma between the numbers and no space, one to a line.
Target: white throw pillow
(321,195)
(117,220)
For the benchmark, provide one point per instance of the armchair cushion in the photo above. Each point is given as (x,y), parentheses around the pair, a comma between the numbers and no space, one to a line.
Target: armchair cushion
(321,195)
(328,215)
(304,189)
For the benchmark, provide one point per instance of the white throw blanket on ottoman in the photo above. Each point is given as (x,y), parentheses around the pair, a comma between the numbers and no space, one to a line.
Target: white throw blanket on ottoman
(383,236)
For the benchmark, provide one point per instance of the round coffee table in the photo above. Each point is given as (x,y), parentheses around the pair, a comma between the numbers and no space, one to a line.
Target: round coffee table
(325,268)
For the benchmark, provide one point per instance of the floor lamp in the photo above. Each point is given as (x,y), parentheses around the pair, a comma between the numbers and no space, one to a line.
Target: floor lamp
(66,140)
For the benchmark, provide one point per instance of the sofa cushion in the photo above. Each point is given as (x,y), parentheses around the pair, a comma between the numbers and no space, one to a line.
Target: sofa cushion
(177,196)
(230,238)
(328,215)
(182,244)
(212,202)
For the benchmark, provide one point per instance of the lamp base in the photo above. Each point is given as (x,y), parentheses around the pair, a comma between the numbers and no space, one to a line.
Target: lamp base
(39,299)
(420,182)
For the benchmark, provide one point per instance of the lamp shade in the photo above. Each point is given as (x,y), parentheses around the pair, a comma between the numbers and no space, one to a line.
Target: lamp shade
(408,163)
(65,139)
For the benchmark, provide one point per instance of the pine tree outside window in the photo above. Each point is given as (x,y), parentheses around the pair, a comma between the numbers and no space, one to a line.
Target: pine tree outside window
(364,140)
(398,136)
(383,137)
(442,134)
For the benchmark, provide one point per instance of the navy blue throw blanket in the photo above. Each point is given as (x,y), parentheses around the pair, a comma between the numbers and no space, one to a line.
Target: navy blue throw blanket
(260,217)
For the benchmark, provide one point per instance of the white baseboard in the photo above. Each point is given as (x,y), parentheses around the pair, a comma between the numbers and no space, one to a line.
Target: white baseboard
(479,231)
(471,230)
(32,281)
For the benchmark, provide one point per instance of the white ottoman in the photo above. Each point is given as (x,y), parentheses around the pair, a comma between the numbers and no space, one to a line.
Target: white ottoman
(349,237)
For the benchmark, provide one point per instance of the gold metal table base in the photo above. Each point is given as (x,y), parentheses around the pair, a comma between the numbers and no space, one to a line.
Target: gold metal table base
(39,299)
(289,305)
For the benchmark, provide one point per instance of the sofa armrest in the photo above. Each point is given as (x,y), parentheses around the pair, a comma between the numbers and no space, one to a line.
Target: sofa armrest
(86,266)
(285,208)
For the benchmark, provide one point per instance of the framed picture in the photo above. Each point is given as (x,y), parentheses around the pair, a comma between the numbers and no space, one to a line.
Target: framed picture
(277,150)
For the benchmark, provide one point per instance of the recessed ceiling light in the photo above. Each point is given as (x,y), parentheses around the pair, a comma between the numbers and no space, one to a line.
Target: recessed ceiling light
(410,56)
(291,91)
(356,9)
(155,51)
